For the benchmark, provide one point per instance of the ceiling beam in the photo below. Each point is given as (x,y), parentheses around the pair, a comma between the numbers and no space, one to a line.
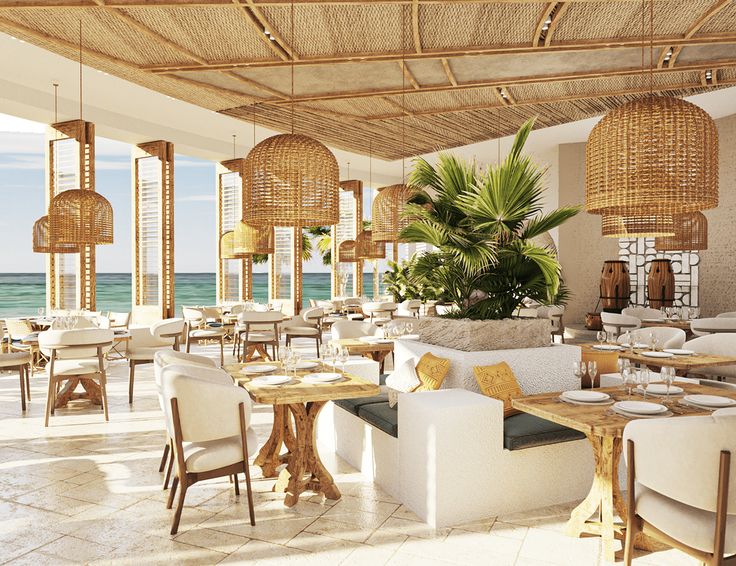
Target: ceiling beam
(698,24)
(415,26)
(516,81)
(257,20)
(508,49)
(448,71)
(409,76)
(562,7)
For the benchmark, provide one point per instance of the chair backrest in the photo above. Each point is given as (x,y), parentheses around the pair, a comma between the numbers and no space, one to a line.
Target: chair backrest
(195,316)
(612,322)
(119,319)
(379,307)
(260,317)
(643,312)
(704,326)
(277,306)
(168,357)
(207,409)
(214,313)
(679,458)
(169,327)
(312,315)
(237,309)
(75,344)
(667,337)
(723,344)
(344,329)
(727,315)
(351,302)
(79,322)
(18,328)
(145,315)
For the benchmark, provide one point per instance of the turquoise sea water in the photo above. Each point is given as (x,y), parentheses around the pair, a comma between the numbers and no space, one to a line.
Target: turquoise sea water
(23,293)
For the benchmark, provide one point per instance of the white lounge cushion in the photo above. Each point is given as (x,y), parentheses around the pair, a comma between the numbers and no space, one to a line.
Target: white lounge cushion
(302,331)
(403,379)
(168,357)
(77,367)
(214,454)
(259,337)
(145,353)
(689,525)
(208,333)
(14,359)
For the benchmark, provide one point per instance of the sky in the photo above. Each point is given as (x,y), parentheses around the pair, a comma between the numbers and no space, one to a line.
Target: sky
(22,187)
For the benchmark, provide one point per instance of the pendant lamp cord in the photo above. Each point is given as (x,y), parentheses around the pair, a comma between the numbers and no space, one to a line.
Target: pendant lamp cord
(651,47)
(291,42)
(234,136)
(403,94)
(80,69)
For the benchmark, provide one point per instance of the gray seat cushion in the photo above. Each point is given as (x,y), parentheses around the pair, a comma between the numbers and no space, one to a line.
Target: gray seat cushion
(381,416)
(526,431)
(352,405)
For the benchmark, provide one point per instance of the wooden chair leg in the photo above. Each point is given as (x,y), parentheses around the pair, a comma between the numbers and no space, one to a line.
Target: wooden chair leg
(27,372)
(222,350)
(189,342)
(237,487)
(172,493)
(103,390)
(179,507)
(131,381)
(21,371)
(164,458)
(49,400)
(168,472)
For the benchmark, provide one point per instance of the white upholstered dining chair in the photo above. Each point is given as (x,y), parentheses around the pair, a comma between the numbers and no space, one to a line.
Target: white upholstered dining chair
(617,324)
(145,342)
(259,329)
(643,312)
(705,326)
(78,353)
(21,362)
(680,484)
(198,328)
(554,313)
(719,345)
(345,329)
(206,447)
(306,325)
(667,337)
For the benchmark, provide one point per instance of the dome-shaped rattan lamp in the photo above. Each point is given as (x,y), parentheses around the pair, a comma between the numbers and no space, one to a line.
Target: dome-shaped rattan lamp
(366,248)
(387,218)
(691,234)
(227,246)
(79,216)
(545,241)
(346,252)
(637,226)
(253,240)
(291,180)
(655,156)
(42,242)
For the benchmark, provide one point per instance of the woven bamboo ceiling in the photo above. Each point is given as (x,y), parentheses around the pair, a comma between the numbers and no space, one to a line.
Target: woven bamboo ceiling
(401,76)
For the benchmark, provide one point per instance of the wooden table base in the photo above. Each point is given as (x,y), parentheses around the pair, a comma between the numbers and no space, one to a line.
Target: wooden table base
(251,350)
(91,391)
(304,469)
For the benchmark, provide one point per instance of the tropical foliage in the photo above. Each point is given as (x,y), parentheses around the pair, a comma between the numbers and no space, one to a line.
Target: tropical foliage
(482,224)
(402,284)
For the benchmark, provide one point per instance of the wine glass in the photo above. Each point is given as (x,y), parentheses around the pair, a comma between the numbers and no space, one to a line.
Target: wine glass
(668,376)
(343,356)
(622,364)
(655,343)
(602,335)
(331,355)
(627,340)
(578,369)
(629,375)
(41,310)
(592,372)
(643,379)
(296,357)
(323,353)
(409,327)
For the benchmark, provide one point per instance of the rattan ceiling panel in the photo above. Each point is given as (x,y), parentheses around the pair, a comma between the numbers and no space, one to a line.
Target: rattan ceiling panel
(592,20)
(341,28)
(102,31)
(464,25)
(359,107)
(216,33)
(428,72)
(227,83)
(698,53)
(723,21)
(448,99)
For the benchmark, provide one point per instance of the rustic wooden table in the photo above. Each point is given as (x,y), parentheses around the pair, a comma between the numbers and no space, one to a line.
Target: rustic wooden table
(302,401)
(373,351)
(604,430)
(665,323)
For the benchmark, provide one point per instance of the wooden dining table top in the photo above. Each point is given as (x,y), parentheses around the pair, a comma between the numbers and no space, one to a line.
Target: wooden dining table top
(667,323)
(356,346)
(594,420)
(298,391)
(679,362)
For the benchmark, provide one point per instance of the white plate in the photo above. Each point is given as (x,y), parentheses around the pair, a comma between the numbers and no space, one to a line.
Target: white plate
(306,365)
(654,320)
(270,380)
(585,396)
(369,339)
(383,341)
(710,401)
(640,407)
(607,347)
(679,352)
(661,389)
(258,369)
(637,345)
(651,354)
(322,377)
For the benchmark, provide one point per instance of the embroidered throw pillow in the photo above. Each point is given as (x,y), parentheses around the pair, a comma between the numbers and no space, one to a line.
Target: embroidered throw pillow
(498,381)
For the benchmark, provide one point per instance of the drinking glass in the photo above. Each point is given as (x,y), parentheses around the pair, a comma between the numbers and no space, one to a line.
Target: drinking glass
(323,353)
(629,375)
(296,357)
(622,364)
(643,379)
(578,369)
(655,343)
(331,355)
(343,357)
(41,310)
(409,327)
(602,335)
(651,340)
(592,372)
(668,376)
(627,340)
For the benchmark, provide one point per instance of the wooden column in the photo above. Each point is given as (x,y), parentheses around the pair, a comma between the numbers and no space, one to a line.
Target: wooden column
(229,213)
(70,278)
(350,224)
(153,226)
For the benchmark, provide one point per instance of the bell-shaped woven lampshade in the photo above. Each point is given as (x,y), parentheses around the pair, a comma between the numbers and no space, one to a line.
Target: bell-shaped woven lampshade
(42,242)
(653,156)
(691,234)
(79,216)
(637,226)
(387,212)
(253,240)
(545,241)
(291,180)
(346,252)
(366,248)
(227,246)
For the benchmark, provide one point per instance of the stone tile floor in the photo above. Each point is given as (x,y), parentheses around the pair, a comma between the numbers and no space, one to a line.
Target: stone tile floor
(86,491)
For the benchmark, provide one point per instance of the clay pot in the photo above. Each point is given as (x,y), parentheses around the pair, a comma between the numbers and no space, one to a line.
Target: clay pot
(615,286)
(661,284)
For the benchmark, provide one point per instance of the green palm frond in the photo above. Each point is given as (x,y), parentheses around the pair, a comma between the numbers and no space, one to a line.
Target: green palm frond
(545,222)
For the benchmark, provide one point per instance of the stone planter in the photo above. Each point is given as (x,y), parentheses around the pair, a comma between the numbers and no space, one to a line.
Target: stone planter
(482,335)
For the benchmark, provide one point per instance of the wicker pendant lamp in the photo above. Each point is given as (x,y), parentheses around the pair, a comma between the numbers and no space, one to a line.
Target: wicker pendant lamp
(388,212)
(227,246)
(80,216)
(637,226)
(42,242)
(366,248)
(691,234)
(250,239)
(346,252)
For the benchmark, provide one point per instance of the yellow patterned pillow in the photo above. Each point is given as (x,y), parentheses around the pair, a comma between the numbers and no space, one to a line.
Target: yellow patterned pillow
(431,371)
(498,381)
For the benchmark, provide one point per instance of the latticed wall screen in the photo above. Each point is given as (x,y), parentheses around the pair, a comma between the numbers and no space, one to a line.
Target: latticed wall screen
(70,278)
(149,229)
(639,252)
(234,276)
(347,277)
(285,269)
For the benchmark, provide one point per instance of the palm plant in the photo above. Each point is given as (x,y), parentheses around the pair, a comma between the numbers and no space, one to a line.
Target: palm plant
(482,224)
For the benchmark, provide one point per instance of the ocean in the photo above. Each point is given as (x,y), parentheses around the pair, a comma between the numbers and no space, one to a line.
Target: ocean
(21,294)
